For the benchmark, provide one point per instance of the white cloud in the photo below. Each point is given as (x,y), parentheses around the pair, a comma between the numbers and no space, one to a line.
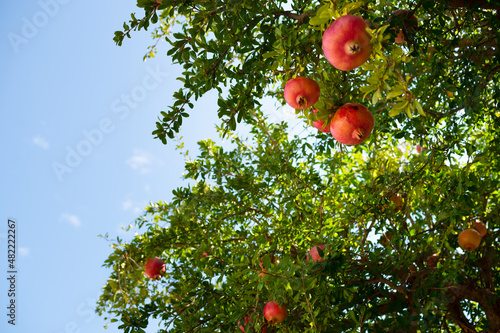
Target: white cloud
(127,204)
(41,142)
(141,161)
(71,219)
(23,251)
(130,205)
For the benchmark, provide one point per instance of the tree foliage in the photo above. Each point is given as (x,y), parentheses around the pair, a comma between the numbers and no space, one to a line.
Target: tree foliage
(381,208)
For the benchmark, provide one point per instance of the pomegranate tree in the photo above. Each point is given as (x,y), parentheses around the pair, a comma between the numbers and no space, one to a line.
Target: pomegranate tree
(346,43)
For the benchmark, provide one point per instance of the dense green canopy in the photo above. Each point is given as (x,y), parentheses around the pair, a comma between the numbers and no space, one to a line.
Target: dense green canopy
(382,208)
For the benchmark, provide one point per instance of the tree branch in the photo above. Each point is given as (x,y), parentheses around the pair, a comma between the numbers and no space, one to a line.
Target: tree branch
(299,17)
(480,295)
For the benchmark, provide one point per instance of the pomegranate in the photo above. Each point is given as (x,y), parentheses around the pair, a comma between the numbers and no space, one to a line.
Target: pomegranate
(154,268)
(315,254)
(261,264)
(301,93)
(480,227)
(320,124)
(469,239)
(346,43)
(275,313)
(352,124)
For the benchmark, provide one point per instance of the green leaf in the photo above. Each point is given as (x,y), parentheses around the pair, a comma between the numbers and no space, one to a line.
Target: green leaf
(368,89)
(398,108)
(418,107)
(408,110)
(376,96)
(395,92)
(270,54)
(314,21)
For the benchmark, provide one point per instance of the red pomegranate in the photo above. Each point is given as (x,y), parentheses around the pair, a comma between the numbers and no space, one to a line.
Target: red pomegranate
(351,124)
(346,43)
(154,268)
(275,313)
(301,93)
(320,124)
(315,254)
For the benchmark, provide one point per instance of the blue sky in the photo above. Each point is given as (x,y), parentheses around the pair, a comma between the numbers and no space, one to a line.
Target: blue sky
(79,158)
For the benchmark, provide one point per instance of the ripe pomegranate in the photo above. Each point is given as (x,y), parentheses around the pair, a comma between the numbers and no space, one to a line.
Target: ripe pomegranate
(264,271)
(409,22)
(352,124)
(301,93)
(480,227)
(155,268)
(469,239)
(274,313)
(315,254)
(419,149)
(320,124)
(346,43)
